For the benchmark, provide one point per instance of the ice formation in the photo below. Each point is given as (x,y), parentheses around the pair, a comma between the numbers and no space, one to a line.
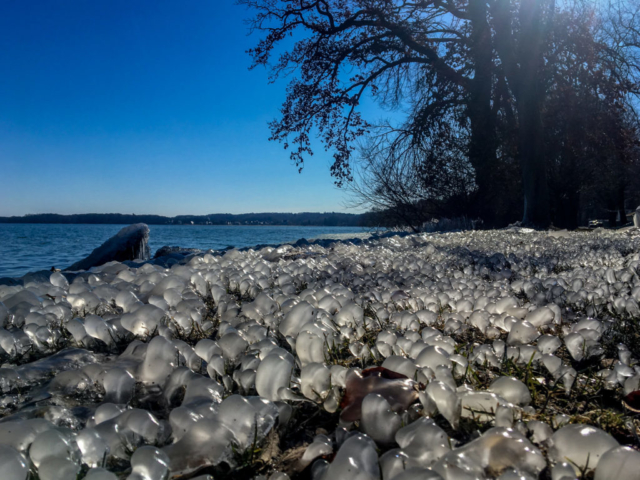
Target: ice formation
(471,355)
(581,446)
(130,243)
(378,420)
(13,464)
(512,390)
(357,459)
(497,450)
(396,389)
(621,463)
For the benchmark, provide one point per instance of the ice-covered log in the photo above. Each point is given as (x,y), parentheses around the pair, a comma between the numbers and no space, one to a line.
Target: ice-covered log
(130,243)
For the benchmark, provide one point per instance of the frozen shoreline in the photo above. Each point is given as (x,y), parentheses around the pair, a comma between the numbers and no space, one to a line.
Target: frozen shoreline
(489,343)
(179,253)
(27,248)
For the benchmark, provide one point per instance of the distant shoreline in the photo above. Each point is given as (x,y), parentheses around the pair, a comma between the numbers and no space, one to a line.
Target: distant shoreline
(194,225)
(304,219)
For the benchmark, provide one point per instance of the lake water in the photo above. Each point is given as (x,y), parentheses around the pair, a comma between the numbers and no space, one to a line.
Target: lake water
(29,247)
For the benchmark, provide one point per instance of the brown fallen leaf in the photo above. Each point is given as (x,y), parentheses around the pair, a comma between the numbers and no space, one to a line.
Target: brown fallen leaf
(632,401)
(396,388)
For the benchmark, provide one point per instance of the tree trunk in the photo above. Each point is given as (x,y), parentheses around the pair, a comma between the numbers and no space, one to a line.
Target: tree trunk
(531,152)
(612,214)
(622,211)
(482,146)
(522,68)
(529,101)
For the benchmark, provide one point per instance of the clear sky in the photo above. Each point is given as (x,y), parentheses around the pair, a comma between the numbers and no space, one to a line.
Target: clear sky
(142,106)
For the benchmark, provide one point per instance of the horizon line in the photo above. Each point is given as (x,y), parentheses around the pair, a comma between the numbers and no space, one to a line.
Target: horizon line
(181,215)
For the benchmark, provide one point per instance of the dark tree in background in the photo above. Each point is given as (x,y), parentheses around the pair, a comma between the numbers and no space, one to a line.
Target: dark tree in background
(590,132)
(504,109)
(415,178)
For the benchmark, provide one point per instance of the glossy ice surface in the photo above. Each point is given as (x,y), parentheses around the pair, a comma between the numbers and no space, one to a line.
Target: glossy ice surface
(476,355)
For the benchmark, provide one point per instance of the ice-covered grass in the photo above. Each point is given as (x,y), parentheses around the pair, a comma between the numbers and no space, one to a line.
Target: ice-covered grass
(474,355)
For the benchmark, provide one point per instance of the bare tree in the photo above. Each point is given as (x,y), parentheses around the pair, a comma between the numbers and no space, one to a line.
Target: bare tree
(473,78)
(414,179)
(390,48)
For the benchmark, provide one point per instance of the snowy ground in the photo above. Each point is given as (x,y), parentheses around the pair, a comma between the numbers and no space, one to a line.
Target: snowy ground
(480,355)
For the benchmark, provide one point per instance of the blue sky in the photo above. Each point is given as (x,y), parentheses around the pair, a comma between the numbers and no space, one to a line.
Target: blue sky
(142,106)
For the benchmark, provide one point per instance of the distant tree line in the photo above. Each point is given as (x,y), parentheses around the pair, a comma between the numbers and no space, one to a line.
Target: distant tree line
(329,219)
(503,110)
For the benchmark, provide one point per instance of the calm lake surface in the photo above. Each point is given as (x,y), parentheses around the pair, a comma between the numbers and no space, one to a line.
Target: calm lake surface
(29,247)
